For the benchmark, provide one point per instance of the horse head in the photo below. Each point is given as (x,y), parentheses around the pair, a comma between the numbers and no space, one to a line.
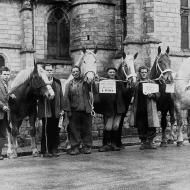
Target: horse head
(161,69)
(39,81)
(88,65)
(126,69)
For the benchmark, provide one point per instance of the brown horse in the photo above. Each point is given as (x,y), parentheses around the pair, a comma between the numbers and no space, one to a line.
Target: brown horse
(26,87)
(161,73)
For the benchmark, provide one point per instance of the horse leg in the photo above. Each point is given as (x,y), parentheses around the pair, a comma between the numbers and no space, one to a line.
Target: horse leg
(179,124)
(163,125)
(172,121)
(188,125)
(10,147)
(32,120)
(12,137)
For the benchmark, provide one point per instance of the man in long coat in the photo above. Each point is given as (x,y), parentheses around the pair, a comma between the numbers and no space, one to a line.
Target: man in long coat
(51,110)
(4,78)
(144,115)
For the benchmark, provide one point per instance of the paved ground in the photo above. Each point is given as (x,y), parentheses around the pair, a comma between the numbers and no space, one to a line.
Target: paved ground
(130,169)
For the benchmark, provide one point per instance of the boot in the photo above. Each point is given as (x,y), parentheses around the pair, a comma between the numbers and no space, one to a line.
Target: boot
(114,141)
(143,145)
(151,145)
(106,141)
(106,137)
(74,151)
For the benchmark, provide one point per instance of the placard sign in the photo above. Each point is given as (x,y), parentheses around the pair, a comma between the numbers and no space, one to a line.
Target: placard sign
(149,88)
(107,86)
(169,88)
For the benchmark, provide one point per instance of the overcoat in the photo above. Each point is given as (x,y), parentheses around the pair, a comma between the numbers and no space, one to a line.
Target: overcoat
(152,113)
(71,100)
(3,98)
(111,104)
(57,102)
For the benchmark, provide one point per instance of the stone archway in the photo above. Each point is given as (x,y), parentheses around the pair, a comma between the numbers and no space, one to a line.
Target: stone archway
(2,61)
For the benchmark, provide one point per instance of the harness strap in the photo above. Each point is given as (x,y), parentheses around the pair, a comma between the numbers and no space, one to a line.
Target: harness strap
(45,110)
(91,102)
(128,76)
(161,71)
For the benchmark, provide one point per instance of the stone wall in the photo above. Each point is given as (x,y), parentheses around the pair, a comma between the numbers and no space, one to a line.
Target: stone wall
(10,34)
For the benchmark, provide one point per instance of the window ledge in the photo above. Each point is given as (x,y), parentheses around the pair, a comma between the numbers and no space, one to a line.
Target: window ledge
(67,61)
(182,53)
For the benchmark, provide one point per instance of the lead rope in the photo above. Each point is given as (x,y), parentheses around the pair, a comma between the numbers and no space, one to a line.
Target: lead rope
(45,102)
(91,101)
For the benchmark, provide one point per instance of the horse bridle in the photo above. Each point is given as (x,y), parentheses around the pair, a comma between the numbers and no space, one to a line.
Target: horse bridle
(126,75)
(159,68)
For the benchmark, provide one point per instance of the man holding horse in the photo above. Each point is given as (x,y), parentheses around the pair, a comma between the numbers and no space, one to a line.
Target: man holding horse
(50,111)
(113,106)
(4,125)
(78,108)
(144,111)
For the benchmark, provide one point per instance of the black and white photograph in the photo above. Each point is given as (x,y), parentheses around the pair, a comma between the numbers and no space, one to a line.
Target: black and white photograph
(95,94)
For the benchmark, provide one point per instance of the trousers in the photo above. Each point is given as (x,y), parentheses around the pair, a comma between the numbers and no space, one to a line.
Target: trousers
(50,132)
(80,129)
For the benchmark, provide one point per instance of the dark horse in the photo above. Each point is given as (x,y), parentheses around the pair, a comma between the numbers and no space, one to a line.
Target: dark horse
(26,87)
(161,73)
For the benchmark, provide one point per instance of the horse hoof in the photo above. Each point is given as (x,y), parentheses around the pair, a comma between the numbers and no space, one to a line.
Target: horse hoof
(36,154)
(180,143)
(163,144)
(13,156)
(170,141)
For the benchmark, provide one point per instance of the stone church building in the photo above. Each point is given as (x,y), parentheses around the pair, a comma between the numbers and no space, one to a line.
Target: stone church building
(54,31)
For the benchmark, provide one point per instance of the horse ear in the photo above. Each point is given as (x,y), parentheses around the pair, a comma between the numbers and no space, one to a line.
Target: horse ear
(84,50)
(136,54)
(35,64)
(159,50)
(95,50)
(168,50)
(124,55)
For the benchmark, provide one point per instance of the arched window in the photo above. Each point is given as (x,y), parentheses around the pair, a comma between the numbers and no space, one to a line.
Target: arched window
(58,35)
(2,61)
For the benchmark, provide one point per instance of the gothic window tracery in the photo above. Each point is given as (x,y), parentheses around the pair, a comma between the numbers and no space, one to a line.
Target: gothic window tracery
(58,35)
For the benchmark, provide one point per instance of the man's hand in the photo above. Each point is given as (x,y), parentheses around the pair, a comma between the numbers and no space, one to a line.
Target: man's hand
(5,108)
(150,95)
(12,96)
(62,113)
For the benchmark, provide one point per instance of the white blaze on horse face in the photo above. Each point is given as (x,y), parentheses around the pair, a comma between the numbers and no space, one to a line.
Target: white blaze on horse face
(129,62)
(49,93)
(88,67)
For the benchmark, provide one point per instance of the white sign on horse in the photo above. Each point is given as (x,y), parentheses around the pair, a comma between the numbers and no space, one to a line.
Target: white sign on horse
(107,86)
(169,88)
(149,88)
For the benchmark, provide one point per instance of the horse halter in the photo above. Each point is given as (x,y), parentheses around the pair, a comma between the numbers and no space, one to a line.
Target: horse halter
(128,76)
(161,71)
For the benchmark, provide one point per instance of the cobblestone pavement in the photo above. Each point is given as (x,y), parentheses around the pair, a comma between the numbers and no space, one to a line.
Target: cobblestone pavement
(130,169)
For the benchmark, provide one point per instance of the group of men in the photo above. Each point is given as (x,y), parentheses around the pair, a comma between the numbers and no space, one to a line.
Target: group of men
(76,106)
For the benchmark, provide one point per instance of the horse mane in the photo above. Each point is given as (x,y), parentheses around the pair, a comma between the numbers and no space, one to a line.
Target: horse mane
(120,74)
(21,78)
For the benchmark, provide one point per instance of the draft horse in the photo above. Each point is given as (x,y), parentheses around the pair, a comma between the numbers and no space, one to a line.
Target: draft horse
(161,73)
(126,72)
(27,86)
(181,98)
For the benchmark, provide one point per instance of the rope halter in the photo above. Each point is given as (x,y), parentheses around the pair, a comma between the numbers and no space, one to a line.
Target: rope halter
(161,71)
